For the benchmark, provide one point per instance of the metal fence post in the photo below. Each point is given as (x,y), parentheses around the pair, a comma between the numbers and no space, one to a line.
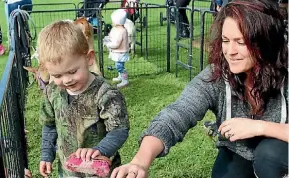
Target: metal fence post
(100,42)
(202,40)
(168,38)
(177,38)
(146,27)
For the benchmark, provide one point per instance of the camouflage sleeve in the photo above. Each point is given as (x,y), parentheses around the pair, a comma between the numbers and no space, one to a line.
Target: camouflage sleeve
(49,134)
(47,116)
(112,108)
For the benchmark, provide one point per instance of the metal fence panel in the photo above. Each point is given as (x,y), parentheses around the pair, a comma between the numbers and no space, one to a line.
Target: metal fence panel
(13,156)
(192,53)
(152,42)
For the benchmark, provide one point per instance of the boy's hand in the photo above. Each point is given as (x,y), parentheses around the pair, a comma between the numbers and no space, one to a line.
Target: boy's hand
(87,153)
(45,168)
(27,173)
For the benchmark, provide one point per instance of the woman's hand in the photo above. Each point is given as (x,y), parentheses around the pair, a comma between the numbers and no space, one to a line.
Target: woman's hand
(138,168)
(129,170)
(241,128)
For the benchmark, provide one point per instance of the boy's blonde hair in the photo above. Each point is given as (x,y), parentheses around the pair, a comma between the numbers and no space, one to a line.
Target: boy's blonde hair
(59,39)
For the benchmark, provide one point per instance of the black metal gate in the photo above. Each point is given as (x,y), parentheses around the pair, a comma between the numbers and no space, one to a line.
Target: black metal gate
(13,156)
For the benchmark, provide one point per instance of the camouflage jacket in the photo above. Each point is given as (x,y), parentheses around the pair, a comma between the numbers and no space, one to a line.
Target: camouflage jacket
(84,122)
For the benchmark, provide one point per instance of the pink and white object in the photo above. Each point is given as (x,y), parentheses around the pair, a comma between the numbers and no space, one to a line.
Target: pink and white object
(99,166)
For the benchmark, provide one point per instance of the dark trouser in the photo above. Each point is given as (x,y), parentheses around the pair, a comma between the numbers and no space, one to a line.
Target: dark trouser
(12,7)
(183,16)
(271,161)
(184,31)
(0,35)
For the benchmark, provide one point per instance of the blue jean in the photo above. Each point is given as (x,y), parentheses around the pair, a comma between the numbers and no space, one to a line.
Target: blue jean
(270,161)
(11,7)
(119,67)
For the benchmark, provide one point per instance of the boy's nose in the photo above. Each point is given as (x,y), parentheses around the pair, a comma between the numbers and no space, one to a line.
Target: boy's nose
(67,81)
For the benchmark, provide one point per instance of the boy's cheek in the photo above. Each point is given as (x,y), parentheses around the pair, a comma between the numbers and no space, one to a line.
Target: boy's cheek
(57,81)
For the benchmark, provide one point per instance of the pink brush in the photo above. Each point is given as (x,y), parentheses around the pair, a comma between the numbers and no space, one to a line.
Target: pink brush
(2,50)
(99,166)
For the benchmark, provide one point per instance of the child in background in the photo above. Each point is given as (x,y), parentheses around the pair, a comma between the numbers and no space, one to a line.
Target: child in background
(117,42)
(80,110)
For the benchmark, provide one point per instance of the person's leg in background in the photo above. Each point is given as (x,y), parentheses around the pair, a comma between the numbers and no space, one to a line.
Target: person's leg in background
(25,2)
(9,8)
(184,31)
(0,35)
(119,69)
(225,2)
(172,10)
(213,5)
(230,165)
(123,74)
(271,158)
(16,5)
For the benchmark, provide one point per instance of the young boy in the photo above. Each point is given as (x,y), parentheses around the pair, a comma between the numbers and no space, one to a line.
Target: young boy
(117,42)
(85,114)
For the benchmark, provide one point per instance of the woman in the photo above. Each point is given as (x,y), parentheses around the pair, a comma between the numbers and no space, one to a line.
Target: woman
(245,85)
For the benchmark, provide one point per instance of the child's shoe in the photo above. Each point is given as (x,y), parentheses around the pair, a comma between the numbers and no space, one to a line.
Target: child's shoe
(124,80)
(2,50)
(117,79)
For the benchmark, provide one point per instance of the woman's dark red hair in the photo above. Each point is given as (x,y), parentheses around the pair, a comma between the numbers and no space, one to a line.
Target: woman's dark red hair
(263,30)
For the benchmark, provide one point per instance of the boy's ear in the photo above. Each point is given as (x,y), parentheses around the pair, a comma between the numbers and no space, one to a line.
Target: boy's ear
(91,57)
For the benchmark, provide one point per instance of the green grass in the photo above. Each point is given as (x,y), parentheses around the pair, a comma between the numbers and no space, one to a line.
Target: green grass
(146,96)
